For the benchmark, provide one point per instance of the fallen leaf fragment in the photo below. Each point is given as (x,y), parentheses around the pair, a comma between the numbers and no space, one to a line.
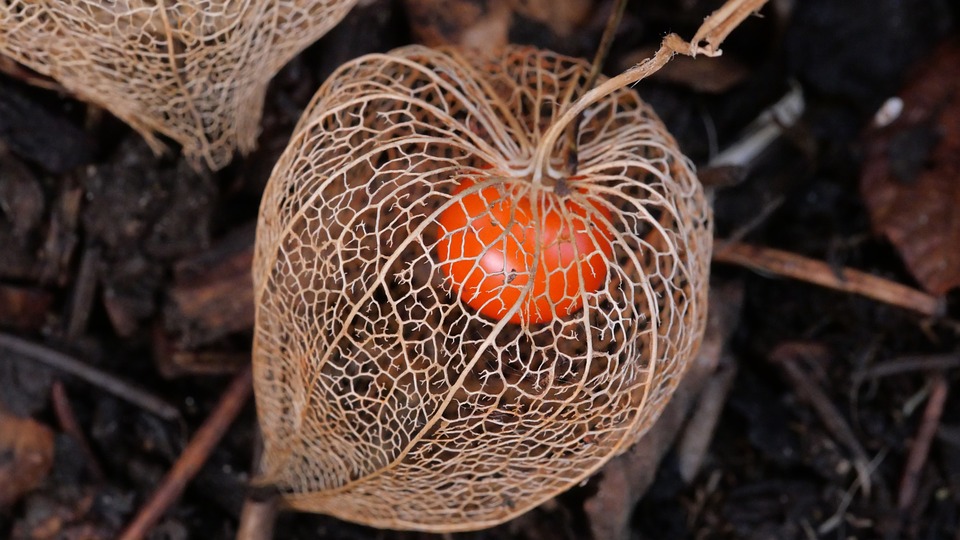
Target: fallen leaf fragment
(23,307)
(715,76)
(911,171)
(487,25)
(26,455)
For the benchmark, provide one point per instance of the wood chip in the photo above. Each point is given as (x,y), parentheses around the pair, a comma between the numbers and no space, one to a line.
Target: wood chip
(23,308)
(26,456)
(212,294)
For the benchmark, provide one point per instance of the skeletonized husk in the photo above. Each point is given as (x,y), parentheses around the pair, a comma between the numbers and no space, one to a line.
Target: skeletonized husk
(195,71)
(383,398)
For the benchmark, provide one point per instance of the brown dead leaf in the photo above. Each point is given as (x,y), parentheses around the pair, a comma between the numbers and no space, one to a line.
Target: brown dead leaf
(563,17)
(486,24)
(911,176)
(26,455)
(22,307)
(474,24)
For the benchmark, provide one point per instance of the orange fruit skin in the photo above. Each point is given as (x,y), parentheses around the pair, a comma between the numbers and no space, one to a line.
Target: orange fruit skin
(487,244)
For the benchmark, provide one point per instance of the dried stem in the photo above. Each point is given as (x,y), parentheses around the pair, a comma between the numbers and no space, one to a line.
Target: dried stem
(69,424)
(603,50)
(259,514)
(721,22)
(81,300)
(713,31)
(606,42)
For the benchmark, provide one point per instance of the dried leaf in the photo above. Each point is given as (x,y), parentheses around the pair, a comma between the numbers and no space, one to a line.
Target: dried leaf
(910,178)
(26,455)
(195,71)
(464,22)
(24,308)
(486,24)
(383,397)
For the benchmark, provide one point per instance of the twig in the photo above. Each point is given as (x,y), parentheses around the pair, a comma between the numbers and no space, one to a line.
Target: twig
(118,387)
(755,221)
(81,301)
(68,422)
(193,456)
(721,22)
(766,128)
(908,364)
(606,42)
(721,176)
(783,263)
(920,449)
(700,428)
(788,356)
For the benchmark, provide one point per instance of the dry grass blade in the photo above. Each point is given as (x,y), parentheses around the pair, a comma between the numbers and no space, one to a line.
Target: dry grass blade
(195,71)
(920,448)
(109,383)
(69,424)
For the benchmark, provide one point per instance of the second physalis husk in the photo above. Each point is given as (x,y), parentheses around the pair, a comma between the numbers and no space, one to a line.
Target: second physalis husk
(193,70)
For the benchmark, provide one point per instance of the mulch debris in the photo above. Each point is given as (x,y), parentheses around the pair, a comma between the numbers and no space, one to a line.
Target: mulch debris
(838,423)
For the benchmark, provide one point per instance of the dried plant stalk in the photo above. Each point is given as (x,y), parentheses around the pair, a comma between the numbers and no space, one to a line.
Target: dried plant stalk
(193,70)
(383,397)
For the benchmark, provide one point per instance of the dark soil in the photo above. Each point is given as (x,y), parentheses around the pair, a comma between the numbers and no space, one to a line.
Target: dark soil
(106,252)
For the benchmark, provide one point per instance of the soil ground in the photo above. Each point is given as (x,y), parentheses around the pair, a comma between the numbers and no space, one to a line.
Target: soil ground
(103,245)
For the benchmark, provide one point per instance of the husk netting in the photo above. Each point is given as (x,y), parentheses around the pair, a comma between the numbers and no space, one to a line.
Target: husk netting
(385,399)
(193,70)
